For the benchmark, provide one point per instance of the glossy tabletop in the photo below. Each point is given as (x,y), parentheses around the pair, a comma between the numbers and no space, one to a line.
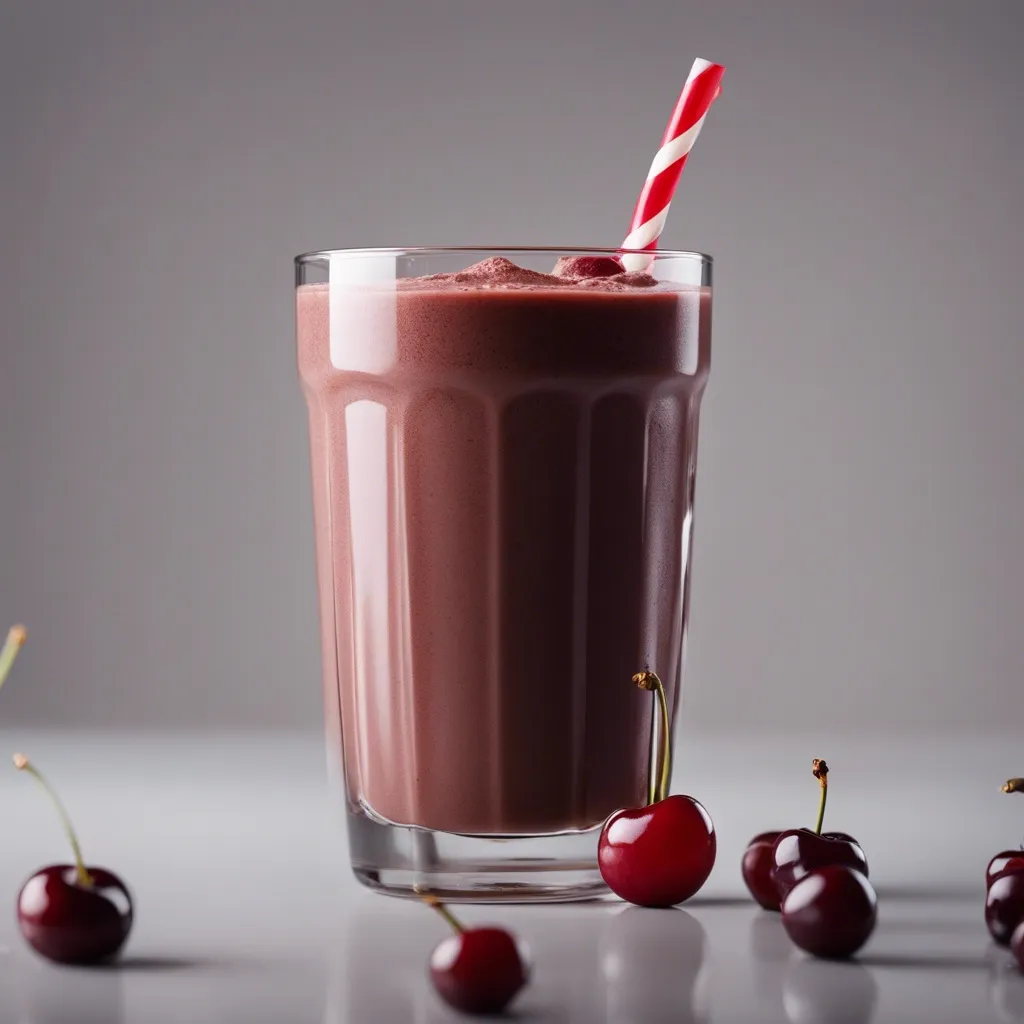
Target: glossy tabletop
(246,910)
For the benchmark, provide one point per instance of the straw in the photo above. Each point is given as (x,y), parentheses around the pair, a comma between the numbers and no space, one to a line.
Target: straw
(700,91)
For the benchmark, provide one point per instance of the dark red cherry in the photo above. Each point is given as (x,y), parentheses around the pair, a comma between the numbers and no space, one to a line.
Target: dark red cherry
(659,855)
(1004,904)
(799,851)
(579,267)
(831,911)
(1017,945)
(71,913)
(1003,862)
(757,868)
(71,923)
(477,970)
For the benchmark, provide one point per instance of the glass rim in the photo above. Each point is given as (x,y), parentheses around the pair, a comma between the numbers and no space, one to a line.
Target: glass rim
(318,255)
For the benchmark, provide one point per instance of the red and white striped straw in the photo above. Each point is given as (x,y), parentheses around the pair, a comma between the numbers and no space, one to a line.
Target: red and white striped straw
(651,212)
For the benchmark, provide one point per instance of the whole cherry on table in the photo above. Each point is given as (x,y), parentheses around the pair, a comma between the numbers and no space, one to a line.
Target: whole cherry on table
(831,912)
(797,852)
(72,913)
(757,867)
(1004,877)
(661,854)
(1006,860)
(477,970)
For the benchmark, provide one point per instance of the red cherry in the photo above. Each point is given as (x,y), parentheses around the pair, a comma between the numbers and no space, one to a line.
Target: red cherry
(477,970)
(661,854)
(71,913)
(72,923)
(757,868)
(799,851)
(1002,862)
(1004,904)
(579,267)
(830,912)
(1017,945)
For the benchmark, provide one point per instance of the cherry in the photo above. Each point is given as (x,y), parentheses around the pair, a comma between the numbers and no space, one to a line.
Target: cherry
(70,913)
(477,970)
(1006,858)
(579,267)
(1017,945)
(1004,904)
(830,912)
(661,854)
(1005,861)
(757,867)
(799,851)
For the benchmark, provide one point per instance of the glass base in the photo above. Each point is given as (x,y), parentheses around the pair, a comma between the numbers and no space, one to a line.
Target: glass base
(399,860)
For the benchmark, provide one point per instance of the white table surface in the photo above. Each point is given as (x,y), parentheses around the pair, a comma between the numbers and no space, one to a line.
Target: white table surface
(246,909)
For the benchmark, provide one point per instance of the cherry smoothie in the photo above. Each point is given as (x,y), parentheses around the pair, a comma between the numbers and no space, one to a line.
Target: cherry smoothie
(503,480)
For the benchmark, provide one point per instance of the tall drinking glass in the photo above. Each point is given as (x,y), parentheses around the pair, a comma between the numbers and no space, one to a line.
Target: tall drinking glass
(503,477)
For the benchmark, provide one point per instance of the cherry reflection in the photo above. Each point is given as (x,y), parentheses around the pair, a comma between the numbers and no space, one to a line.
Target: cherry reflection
(653,960)
(60,995)
(1005,987)
(828,992)
(770,951)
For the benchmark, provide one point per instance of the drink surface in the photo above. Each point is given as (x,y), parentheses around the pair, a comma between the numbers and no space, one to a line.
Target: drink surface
(503,468)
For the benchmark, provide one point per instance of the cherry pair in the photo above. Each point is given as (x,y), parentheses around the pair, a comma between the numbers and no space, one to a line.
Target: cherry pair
(1004,882)
(819,880)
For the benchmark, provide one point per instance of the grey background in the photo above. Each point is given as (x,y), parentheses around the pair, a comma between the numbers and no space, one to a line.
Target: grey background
(862,466)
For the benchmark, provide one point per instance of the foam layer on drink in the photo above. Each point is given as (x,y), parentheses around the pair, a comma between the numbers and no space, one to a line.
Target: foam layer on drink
(503,466)
(602,272)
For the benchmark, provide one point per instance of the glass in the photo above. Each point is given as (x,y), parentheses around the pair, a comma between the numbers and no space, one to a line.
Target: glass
(503,479)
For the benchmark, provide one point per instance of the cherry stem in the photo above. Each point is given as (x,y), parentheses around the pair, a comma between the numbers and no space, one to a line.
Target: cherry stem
(436,904)
(14,642)
(659,783)
(820,770)
(23,764)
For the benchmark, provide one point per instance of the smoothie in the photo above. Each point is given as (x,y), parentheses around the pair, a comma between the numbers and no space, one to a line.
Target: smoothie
(503,479)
